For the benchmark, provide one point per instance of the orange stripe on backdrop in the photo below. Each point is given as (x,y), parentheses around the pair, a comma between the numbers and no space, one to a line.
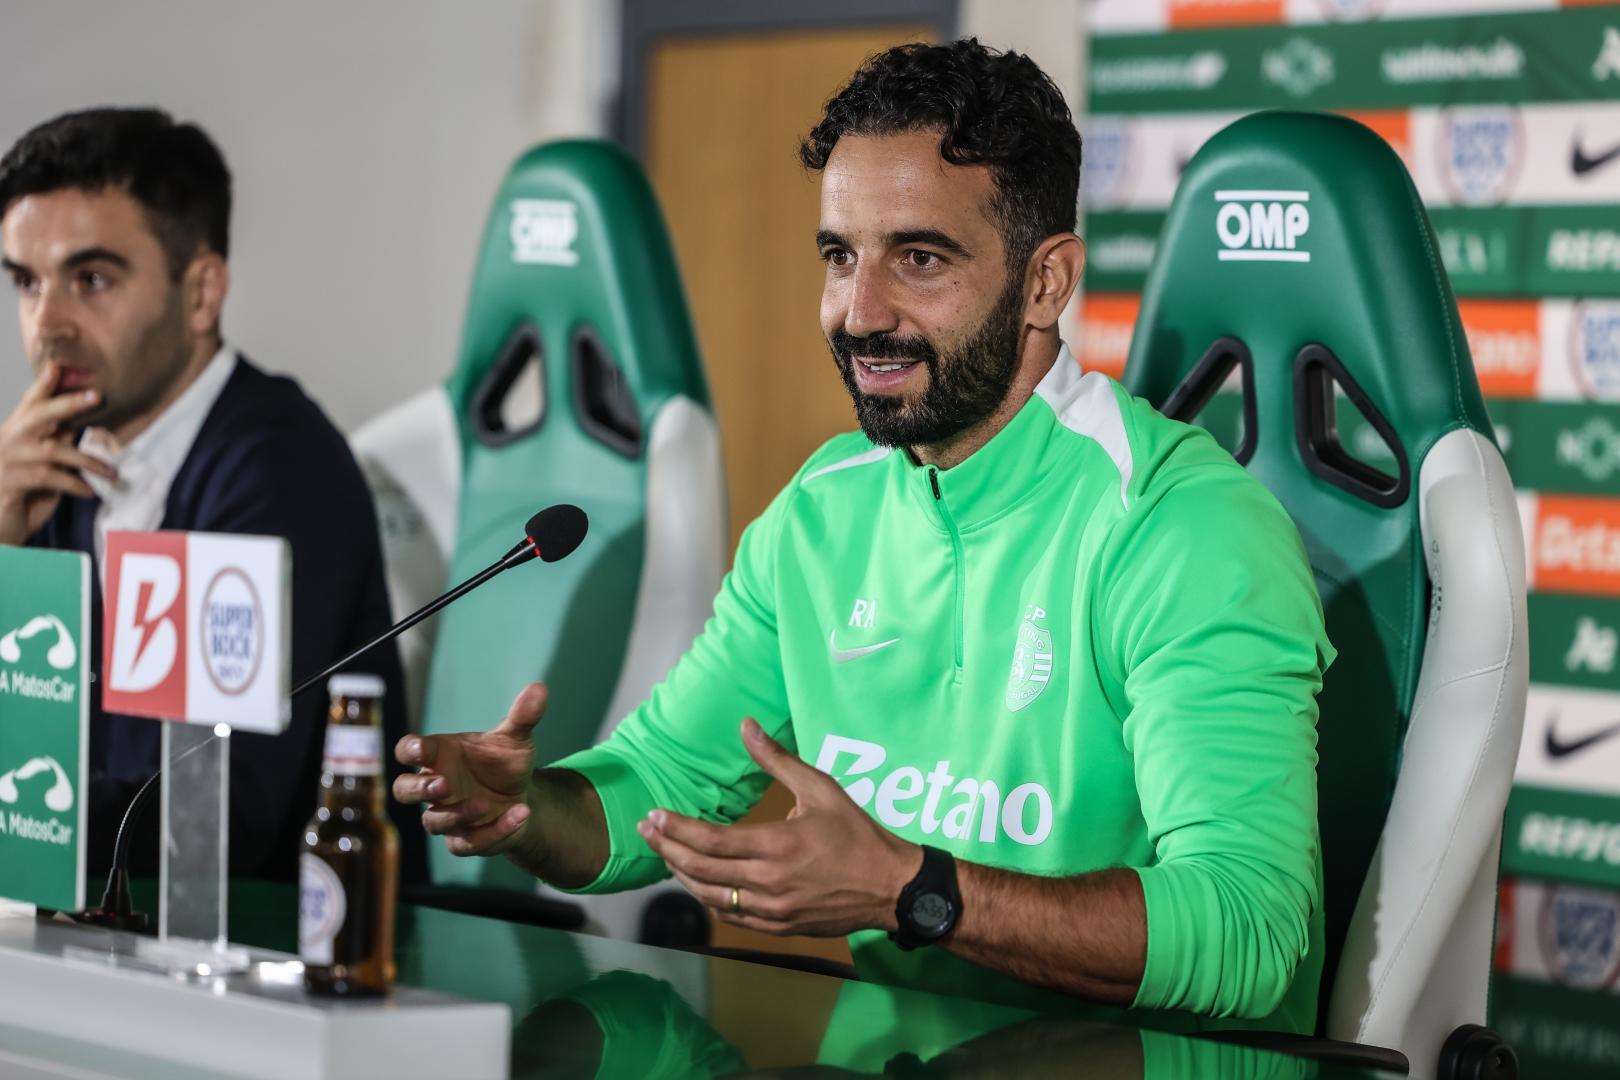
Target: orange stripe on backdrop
(1224,12)
(1106,323)
(1394,126)
(1590,3)
(1577,545)
(1504,337)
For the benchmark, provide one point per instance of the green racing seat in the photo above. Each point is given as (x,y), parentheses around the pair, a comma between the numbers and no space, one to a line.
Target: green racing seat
(578,381)
(1298,308)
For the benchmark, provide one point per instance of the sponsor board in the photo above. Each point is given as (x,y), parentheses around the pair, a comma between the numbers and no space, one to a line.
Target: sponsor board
(1559,446)
(1501,251)
(1107,17)
(196,628)
(1577,641)
(1553,932)
(1563,835)
(1107,321)
(1492,58)
(1571,740)
(1468,156)
(44,725)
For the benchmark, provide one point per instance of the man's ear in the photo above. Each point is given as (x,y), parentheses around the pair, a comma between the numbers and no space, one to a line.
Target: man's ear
(207,280)
(1055,269)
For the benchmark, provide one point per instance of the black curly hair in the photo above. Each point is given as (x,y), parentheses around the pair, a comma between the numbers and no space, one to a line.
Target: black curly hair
(174,171)
(991,108)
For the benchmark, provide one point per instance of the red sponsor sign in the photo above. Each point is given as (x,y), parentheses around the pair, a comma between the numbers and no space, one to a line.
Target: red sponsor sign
(144,629)
(1225,12)
(1504,338)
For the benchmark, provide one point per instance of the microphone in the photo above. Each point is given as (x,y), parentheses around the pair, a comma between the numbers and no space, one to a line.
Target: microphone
(550,535)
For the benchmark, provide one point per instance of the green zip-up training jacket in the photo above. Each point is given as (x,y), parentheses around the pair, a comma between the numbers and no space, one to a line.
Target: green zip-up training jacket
(1094,643)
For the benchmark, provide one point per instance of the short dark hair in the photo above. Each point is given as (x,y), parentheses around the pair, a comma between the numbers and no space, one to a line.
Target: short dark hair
(991,108)
(173,170)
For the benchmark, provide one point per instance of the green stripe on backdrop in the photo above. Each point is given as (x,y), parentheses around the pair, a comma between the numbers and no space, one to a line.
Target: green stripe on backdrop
(1576,639)
(1562,836)
(1488,251)
(1517,57)
(1568,447)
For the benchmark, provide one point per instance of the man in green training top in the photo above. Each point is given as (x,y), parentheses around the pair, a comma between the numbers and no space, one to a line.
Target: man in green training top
(1038,664)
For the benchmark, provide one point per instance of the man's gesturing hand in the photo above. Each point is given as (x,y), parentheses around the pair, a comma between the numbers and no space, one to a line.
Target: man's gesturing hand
(38,461)
(827,870)
(475,784)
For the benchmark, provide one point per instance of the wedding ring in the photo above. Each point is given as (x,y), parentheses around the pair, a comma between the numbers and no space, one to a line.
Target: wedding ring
(736,905)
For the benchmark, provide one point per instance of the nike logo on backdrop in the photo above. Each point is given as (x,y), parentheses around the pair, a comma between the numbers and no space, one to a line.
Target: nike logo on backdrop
(844,656)
(1556,748)
(1580,163)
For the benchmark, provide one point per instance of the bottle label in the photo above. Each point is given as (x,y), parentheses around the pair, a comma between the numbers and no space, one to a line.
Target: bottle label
(322,907)
(353,751)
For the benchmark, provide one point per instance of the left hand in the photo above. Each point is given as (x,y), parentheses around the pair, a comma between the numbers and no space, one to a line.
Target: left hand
(828,870)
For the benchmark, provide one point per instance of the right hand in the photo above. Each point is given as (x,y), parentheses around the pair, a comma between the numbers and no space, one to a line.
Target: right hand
(38,461)
(476,785)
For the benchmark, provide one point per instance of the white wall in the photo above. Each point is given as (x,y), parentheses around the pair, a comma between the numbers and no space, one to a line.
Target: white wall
(365,137)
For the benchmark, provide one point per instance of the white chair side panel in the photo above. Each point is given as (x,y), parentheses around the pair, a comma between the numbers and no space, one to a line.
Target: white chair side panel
(1430,879)
(411,458)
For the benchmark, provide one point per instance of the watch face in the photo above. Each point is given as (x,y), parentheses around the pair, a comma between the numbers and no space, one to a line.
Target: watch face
(931,912)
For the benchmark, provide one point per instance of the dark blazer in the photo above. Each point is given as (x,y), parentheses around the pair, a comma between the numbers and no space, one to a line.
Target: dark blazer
(266,461)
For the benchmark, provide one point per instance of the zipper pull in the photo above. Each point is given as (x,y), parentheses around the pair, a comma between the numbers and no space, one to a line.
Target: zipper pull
(933,480)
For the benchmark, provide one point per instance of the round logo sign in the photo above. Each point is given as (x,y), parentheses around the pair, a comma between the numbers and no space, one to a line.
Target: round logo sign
(1580,936)
(1481,153)
(231,631)
(1594,348)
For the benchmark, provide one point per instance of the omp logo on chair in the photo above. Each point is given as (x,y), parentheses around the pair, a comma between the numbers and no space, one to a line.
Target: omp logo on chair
(196,628)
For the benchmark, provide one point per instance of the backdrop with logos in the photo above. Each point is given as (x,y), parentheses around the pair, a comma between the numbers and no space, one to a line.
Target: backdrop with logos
(1507,115)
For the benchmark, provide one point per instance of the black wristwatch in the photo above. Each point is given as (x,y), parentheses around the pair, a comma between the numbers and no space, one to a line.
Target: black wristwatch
(930,903)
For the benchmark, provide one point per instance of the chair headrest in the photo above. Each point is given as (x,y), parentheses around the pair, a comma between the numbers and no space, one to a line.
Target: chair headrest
(576,264)
(1301,237)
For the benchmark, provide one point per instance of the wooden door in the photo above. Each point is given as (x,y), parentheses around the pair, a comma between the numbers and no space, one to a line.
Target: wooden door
(725,116)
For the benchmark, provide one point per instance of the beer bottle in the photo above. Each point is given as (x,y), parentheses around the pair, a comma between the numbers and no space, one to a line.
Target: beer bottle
(349,868)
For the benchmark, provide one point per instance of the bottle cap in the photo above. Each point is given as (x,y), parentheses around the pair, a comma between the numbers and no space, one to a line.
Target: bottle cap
(355,686)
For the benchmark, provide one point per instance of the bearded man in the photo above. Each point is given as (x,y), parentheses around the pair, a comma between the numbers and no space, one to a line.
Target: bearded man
(1038,664)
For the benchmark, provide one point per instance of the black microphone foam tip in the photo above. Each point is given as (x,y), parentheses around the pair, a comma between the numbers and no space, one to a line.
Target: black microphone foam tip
(557,530)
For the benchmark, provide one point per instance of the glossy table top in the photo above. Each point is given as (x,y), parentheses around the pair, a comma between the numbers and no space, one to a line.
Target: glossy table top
(589,1006)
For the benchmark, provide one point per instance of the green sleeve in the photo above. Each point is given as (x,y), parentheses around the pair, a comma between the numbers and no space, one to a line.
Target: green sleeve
(682,748)
(1213,630)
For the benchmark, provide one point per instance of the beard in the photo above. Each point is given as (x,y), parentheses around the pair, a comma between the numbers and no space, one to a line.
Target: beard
(965,385)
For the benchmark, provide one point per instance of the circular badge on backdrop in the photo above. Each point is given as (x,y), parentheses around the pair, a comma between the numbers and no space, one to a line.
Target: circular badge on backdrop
(1481,153)
(1580,936)
(1594,348)
(231,631)
(1110,165)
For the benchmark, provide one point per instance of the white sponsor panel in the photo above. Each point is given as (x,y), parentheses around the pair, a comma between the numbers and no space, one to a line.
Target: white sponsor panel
(1474,156)
(1571,739)
(1524,155)
(240,628)
(1145,16)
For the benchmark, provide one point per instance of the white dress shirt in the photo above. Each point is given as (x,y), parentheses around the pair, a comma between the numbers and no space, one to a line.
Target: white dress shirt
(148,465)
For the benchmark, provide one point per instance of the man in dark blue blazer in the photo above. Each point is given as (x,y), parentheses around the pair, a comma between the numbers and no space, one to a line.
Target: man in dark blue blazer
(115,228)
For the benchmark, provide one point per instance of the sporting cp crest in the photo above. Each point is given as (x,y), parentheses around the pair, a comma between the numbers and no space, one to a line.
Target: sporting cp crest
(1032,660)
